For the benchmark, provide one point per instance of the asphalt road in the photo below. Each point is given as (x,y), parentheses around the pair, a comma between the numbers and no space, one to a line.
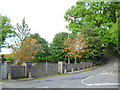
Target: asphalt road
(104,77)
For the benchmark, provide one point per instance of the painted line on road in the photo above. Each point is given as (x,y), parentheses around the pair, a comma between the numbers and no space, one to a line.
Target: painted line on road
(102,84)
(105,71)
(40,87)
(97,84)
(45,87)
(82,81)
(64,86)
(2,83)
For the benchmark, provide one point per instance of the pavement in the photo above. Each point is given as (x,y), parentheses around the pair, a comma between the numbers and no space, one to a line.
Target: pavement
(105,76)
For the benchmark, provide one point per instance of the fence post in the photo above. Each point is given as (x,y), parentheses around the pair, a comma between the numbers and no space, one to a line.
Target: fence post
(28,66)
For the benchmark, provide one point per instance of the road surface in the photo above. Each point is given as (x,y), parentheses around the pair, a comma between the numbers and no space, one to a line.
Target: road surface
(104,77)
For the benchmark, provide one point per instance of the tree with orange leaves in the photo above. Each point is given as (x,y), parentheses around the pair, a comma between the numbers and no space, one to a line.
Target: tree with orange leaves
(75,47)
(26,50)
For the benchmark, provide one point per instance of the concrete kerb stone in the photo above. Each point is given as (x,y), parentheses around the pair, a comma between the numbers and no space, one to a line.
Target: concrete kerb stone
(27,79)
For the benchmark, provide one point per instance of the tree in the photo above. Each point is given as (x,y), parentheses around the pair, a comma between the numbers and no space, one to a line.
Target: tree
(95,45)
(97,16)
(6,29)
(57,47)
(44,54)
(26,50)
(114,34)
(23,48)
(22,31)
(76,47)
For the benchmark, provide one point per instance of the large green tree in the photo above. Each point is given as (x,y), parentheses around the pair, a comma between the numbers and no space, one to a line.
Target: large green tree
(98,17)
(44,54)
(6,29)
(57,47)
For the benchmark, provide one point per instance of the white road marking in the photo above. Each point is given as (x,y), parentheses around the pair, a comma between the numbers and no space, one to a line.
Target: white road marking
(82,81)
(64,86)
(2,83)
(104,73)
(40,87)
(110,68)
(109,73)
(97,84)
(44,87)
(102,84)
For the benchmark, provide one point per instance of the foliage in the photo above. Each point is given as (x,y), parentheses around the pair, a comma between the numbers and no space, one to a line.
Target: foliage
(76,47)
(57,47)
(24,47)
(9,57)
(22,31)
(114,34)
(6,29)
(98,17)
(26,50)
(95,45)
(43,55)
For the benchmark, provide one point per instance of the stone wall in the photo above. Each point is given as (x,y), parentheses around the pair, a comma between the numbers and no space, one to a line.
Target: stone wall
(39,70)
(82,65)
(72,67)
(18,71)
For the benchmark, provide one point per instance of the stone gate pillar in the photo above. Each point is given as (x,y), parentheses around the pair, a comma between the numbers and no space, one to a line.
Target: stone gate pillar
(61,66)
(28,66)
(8,65)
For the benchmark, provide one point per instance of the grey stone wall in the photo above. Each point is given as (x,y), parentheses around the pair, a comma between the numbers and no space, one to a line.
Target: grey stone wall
(18,71)
(72,67)
(39,70)
(68,67)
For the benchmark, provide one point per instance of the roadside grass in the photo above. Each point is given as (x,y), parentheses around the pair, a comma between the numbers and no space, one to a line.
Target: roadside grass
(0,80)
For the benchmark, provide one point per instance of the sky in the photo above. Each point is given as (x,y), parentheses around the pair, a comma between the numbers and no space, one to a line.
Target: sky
(45,17)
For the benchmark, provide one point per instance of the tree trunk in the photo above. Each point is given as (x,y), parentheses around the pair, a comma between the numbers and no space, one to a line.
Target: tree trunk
(68,60)
(75,60)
